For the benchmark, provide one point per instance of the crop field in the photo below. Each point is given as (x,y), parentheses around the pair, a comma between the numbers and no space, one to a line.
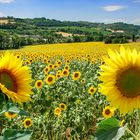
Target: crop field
(76,91)
(78,49)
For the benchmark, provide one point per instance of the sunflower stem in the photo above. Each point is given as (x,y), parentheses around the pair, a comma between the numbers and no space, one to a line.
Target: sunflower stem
(130,132)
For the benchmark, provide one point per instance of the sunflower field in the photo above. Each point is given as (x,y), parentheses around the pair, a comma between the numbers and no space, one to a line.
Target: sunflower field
(77,91)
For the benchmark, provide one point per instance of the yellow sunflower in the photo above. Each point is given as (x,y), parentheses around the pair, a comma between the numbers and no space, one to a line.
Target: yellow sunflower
(62,106)
(10,115)
(108,112)
(55,67)
(27,62)
(76,75)
(67,67)
(50,66)
(65,72)
(78,101)
(57,111)
(50,79)
(121,79)
(39,84)
(83,81)
(46,70)
(59,62)
(58,75)
(28,123)
(15,79)
(91,90)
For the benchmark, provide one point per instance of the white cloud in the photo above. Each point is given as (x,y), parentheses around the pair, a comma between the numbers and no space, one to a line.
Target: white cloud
(112,8)
(136,21)
(6,1)
(2,14)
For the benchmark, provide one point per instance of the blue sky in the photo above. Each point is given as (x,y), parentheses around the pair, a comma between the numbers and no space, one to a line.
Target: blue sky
(107,11)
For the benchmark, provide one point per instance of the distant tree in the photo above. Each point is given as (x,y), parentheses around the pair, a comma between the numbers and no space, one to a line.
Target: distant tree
(107,40)
(133,38)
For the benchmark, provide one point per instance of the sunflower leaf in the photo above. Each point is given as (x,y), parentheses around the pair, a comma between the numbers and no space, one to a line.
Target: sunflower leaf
(16,110)
(107,129)
(13,134)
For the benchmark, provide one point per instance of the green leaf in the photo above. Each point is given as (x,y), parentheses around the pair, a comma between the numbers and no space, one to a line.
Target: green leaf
(13,134)
(16,110)
(107,129)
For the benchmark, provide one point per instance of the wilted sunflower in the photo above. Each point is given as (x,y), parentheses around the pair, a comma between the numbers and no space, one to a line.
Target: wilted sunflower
(62,106)
(50,79)
(121,79)
(108,112)
(57,111)
(76,75)
(15,79)
(39,84)
(10,115)
(28,123)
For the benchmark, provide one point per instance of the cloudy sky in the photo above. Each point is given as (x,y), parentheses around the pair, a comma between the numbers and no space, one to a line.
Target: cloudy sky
(107,11)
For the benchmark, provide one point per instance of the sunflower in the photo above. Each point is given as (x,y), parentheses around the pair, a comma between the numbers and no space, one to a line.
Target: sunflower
(55,67)
(46,70)
(78,101)
(44,60)
(18,56)
(28,123)
(67,67)
(39,84)
(62,106)
(67,61)
(15,79)
(58,75)
(27,62)
(76,75)
(10,115)
(50,66)
(91,90)
(83,81)
(57,111)
(59,72)
(121,79)
(65,72)
(50,79)
(59,62)
(108,112)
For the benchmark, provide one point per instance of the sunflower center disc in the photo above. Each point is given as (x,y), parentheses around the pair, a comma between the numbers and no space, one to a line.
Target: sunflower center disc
(8,80)
(28,123)
(107,112)
(128,82)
